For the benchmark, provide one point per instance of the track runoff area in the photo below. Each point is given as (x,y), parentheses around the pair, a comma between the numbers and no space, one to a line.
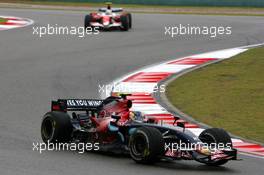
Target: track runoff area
(143,83)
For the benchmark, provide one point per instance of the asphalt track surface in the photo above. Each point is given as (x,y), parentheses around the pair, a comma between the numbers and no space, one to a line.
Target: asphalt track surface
(35,70)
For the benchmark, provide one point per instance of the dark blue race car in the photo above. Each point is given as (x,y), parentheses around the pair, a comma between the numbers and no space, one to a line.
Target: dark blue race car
(116,128)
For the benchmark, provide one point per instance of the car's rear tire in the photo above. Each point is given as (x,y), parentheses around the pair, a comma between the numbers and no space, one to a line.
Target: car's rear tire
(87,21)
(146,145)
(56,127)
(216,135)
(125,22)
(130,20)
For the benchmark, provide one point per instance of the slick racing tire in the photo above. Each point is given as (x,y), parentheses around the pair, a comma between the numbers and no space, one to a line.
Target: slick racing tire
(146,145)
(87,21)
(216,135)
(125,22)
(130,20)
(56,127)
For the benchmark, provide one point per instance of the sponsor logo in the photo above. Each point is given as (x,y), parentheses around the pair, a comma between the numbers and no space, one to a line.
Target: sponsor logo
(85,103)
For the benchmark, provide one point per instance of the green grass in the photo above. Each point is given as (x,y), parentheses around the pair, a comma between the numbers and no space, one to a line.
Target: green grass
(2,20)
(229,94)
(234,11)
(93,4)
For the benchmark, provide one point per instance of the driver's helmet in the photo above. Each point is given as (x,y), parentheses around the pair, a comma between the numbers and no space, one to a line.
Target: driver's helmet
(109,5)
(137,115)
(108,12)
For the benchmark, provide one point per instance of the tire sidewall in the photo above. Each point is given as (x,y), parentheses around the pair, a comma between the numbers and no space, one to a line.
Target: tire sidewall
(147,148)
(125,22)
(61,127)
(219,136)
(154,145)
(87,21)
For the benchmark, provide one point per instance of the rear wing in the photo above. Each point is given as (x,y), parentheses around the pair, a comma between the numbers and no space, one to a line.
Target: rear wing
(114,10)
(75,105)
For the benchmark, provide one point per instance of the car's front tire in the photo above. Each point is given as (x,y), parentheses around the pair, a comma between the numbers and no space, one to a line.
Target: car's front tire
(87,21)
(56,127)
(218,136)
(130,20)
(125,22)
(146,145)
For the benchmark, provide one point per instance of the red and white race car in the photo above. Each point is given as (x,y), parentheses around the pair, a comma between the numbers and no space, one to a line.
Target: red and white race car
(109,18)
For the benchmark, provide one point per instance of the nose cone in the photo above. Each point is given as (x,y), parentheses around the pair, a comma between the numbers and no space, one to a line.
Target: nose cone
(106,23)
(106,20)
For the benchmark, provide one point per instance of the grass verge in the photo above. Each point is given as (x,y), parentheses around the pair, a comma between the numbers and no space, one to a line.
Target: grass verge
(229,94)
(2,20)
(235,11)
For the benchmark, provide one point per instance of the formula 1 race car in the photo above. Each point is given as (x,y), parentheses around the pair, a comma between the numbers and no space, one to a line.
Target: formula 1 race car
(109,18)
(117,129)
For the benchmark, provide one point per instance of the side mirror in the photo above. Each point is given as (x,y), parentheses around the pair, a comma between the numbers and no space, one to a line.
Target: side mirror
(175,119)
(124,95)
(182,125)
